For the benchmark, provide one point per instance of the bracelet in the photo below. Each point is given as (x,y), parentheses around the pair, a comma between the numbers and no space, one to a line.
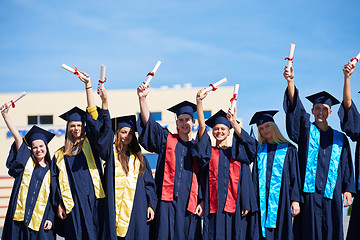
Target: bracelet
(88,87)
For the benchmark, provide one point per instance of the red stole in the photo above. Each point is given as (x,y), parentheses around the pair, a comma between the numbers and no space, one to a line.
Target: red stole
(169,175)
(234,175)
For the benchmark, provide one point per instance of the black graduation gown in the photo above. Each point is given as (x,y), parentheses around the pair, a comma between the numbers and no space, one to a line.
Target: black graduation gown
(225,225)
(83,222)
(350,124)
(172,220)
(320,217)
(16,162)
(145,192)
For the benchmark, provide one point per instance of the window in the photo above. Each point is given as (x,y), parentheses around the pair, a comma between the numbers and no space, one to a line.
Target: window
(156,115)
(207,115)
(40,119)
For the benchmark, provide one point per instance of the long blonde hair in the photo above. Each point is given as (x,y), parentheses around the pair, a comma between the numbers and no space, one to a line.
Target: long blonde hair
(134,148)
(277,136)
(70,142)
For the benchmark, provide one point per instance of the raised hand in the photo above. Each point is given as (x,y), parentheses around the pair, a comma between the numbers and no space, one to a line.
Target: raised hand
(289,76)
(348,69)
(142,90)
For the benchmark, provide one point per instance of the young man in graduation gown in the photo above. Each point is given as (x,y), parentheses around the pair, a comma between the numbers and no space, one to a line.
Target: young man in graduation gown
(176,181)
(350,124)
(325,162)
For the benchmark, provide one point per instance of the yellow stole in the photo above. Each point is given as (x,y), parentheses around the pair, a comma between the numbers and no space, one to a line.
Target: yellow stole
(41,201)
(64,180)
(125,187)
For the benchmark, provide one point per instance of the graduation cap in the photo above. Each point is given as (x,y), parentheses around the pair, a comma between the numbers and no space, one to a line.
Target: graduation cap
(262,117)
(218,118)
(37,133)
(184,107)
(124,121)
(323,97)
(74,114)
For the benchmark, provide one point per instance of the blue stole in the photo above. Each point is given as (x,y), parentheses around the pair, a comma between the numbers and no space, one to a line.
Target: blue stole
(269,213)
(311,165)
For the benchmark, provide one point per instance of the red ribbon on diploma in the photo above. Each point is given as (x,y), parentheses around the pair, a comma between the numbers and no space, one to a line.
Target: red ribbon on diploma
(234,98)
(354,59)
(289,59)
(212,86)
(150,74)
(102,81)
(12,103)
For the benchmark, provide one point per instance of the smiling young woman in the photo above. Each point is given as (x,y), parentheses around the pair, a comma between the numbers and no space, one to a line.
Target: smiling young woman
(30,214)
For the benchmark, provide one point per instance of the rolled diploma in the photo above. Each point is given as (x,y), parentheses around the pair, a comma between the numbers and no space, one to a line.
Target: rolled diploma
(357,57)
(14,100)
(102,79)
(153,71)
(235,93)
(70,69)
(217,84)
(291,55)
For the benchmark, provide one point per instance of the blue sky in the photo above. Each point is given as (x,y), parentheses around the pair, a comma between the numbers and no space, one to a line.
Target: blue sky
(198,42)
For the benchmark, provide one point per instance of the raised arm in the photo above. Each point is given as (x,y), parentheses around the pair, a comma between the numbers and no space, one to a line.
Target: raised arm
(348,70)
(12,128)
(104,99)
(289,76)
(200,114)
(232,119)
(142,92)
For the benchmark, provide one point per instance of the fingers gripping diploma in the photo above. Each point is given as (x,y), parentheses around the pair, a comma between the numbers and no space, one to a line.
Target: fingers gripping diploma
(47,225)
(347,199)
(295,208)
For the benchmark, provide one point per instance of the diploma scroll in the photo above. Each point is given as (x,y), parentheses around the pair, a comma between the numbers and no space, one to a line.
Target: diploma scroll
(356,59)
(151,74)
(102,79)
(213,87)
(74,71)
(234,98)
(291,57)
(13,101)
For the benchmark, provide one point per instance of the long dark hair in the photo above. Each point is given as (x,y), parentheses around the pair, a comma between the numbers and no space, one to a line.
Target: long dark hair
(47,157)
(134,148)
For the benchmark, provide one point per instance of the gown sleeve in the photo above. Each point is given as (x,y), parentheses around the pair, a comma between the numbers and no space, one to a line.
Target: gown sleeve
(248,197)
(152,136)
(55,189)
(150,186)
(201,150)
(103,134)
(348,183)
(244,148)
(17,159)
(297,119)
(350,121)
(295,188)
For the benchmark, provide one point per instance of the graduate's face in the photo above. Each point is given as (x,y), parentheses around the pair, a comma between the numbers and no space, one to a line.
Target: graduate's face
(266,132)
(184,123)
(75,127)
(220,132)
(321,112)
(38,149)
(125,136)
